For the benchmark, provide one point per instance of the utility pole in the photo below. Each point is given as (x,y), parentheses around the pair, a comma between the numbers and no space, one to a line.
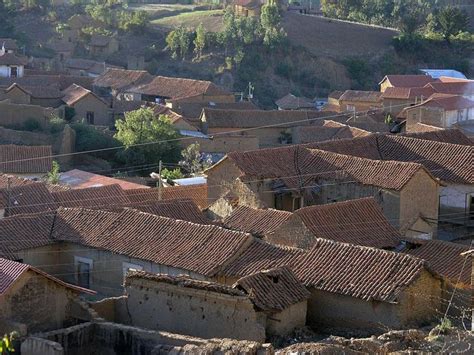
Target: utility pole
(160,181)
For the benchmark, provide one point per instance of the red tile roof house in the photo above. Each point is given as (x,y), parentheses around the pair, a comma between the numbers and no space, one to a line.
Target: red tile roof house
(293,177)
(448,155)
(355,288)
(405,81)
(359,222)
(34,301)
(440,110)
(94,249)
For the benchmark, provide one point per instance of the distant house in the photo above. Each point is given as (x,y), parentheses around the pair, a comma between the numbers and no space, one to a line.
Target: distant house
(357,100)
(395,99)
(405,81)
(11,65)
(86,67)
(102,46)
(444,73)
(292,102)
(248,7)
(34,301)
(45,96)
(329,130)
(87,106)
(193,110)
(79,179)
(439,110)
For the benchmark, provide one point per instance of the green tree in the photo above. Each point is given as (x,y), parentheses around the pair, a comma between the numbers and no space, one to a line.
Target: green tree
(270,19)
(200,40)
(193,161)
(147,139)
(53,175)
(6,14)
(452,21)
(169,174)
(184,41)
(172,41)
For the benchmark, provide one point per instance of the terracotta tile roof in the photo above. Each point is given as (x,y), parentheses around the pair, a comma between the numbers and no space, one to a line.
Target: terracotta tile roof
(356,271)
(38,92)
(454,88)
(260,255)
(330,130)
(448,162)
(194,109)
(335,94)
(79,179)
(299,167)
(10,44)
(445,259)
(256,221)
(25,232)
(273,290)
(197,193)
(13,181)
(100,40)
(60,82)
(12,59)
(11,271)
(203,249)
(29,198)
(257,118)
(23,159)
(178,88)
(359,222)
(182,281)
(454,136)
(361,96)
(119,79)
(184,209)
(407,93)
(74,93)
(291,102)
(436,157)
(106,197)
(122,106)
(408,81)
(164,110)
(445,102)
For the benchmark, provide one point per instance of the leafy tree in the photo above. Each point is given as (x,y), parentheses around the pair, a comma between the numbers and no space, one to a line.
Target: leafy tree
(6,14)
(452,21)
(270,19)
(6,346)
(132,21)
(200,40)
(193,161)
(169,174)
(172,41)
(53,175)
(147,139)
(184,41)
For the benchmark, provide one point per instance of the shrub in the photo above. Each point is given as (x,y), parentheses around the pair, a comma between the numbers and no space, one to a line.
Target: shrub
(31,125)
(90,138)
(56,124)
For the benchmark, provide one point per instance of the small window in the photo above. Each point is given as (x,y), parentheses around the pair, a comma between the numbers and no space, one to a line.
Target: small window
(350,108)
(83,271)
(14,72)
(296,203)
(130,267)
(90,117)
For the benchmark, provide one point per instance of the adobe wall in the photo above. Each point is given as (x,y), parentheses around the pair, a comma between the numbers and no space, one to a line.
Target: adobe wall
(102,113)
(394,106)
(454,200)
(15,115)
(16,96)
(220,179)
(429,116)
(225,144)
(267,137)
(200,313)
(419,197)
(39,303)
(420,304)
(293,233)
(326,309)
(284,322)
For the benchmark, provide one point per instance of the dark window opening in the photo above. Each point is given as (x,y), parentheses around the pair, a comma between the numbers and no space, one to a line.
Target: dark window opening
(90,117)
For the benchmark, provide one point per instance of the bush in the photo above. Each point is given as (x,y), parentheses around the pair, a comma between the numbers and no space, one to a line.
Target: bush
(31,125)
(90,138)
(56,124)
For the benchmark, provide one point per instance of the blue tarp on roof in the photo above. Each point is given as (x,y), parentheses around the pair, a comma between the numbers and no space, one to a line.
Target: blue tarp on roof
(437,73)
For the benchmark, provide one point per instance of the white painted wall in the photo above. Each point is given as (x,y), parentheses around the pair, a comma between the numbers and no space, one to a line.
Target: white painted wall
(455,196)
(5,71)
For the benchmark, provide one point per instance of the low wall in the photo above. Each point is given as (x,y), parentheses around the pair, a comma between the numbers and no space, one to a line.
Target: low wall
(110,338)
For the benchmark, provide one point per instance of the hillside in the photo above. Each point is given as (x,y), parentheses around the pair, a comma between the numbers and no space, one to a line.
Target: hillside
(335,38)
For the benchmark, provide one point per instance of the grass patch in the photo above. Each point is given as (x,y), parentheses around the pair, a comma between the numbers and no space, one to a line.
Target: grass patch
(211,20)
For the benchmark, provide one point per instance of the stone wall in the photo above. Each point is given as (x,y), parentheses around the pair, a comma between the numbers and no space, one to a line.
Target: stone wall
(195,312)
